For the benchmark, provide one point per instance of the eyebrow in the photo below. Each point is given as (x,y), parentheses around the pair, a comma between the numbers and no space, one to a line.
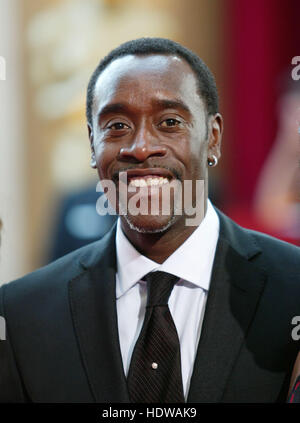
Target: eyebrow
(161,103)
(112,108)
(172,104)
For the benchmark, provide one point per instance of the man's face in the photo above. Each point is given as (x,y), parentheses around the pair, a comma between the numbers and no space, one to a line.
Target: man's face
(149,120)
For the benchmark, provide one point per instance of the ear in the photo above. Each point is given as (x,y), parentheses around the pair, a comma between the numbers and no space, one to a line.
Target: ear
(215,126)
(91,138)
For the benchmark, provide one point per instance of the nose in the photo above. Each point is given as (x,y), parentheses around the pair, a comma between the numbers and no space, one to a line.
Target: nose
(144,145)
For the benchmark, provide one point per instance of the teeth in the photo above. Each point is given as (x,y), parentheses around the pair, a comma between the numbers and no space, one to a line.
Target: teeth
(141,182)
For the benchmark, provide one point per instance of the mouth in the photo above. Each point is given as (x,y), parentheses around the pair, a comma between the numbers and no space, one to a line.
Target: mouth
(151,192)
(148,177)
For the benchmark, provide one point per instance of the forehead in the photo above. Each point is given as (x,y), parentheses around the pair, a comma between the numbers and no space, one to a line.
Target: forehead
(152,76)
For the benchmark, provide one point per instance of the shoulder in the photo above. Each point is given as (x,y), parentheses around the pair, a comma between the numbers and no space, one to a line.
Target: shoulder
(276,250)
(245,238)
(271,253)
(277,255)
(51,281)
(281,262)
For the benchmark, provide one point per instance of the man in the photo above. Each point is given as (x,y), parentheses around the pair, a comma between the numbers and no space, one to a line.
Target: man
(87,329)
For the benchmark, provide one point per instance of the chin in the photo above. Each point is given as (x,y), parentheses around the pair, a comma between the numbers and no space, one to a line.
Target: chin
(149,224)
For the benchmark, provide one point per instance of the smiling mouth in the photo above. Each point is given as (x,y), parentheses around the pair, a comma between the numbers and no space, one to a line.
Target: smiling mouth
(151,177)
(148,181)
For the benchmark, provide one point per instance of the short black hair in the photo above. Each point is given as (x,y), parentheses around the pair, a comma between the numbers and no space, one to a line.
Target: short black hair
(147,46)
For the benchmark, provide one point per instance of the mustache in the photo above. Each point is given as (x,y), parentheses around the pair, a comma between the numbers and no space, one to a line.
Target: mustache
(115,175)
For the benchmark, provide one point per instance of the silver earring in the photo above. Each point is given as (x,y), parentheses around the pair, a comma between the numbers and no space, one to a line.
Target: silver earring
(212,162)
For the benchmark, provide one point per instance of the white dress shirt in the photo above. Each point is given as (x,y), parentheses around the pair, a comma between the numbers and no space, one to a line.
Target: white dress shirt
(192,262)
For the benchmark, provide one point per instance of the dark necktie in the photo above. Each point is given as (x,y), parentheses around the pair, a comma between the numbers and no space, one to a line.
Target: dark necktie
(155,369)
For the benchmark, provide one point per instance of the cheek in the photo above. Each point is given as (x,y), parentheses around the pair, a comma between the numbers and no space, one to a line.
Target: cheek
(105,154)
(198,157)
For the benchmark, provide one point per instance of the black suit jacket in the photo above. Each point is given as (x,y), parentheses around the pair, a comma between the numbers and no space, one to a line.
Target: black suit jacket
(62,336)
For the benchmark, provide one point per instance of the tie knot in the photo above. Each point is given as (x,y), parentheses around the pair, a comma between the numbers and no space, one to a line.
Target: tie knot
(159,287)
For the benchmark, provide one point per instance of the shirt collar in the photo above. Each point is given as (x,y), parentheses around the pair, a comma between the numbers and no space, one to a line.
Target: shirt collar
(192,261)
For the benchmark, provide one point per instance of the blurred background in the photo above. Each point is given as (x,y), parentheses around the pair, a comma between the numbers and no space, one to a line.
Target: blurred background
(51,47)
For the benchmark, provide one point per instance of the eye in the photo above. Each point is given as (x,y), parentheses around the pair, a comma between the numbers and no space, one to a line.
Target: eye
(118,126)
(171,122)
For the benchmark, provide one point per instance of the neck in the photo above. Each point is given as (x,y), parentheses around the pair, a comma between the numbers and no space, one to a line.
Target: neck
(159,246)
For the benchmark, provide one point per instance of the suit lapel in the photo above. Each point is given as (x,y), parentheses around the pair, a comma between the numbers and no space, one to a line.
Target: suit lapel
(93,306)
(236,286)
